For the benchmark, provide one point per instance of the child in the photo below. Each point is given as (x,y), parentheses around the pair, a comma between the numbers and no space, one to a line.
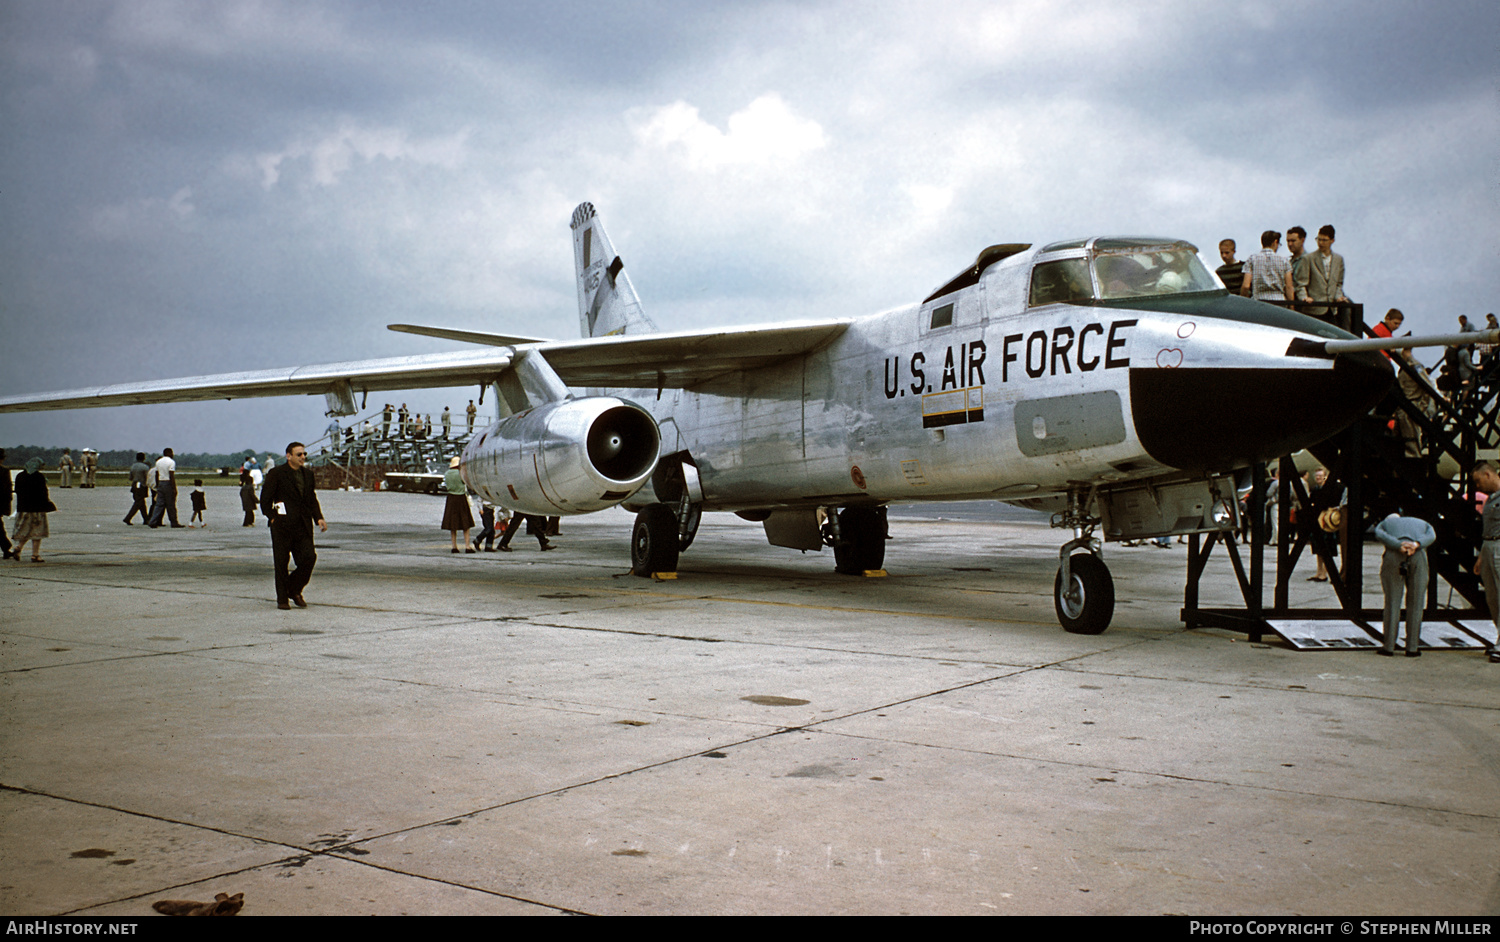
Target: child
(487,522)
(200,503)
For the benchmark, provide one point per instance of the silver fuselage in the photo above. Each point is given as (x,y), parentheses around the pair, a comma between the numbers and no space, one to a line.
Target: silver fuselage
(1007,401)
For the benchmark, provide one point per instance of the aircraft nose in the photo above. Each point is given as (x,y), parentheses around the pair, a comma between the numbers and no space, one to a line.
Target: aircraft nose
(1212,419)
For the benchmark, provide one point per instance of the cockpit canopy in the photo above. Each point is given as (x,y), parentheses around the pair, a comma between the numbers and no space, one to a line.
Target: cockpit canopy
(1111,268)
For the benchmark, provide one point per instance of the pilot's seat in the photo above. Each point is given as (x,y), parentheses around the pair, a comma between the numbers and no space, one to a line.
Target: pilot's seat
(1121,277)
(1061,282)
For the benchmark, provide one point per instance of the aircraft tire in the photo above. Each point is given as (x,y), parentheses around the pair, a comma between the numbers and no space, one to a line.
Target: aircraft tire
(863,540)
(1092,613)
(653,541)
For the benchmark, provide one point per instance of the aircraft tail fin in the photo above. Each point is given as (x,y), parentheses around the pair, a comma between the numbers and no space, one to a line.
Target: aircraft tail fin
(607,302)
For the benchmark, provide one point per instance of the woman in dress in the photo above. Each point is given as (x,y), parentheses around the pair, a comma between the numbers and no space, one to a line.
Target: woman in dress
(456,514)
(247,498)
(1323,494)
(32,507)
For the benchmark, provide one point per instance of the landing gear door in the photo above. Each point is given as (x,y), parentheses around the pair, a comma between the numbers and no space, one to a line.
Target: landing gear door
(1144,511)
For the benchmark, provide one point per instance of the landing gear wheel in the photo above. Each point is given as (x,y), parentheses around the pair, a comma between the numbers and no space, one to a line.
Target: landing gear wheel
(1087,609)
(653,541)
(861,545)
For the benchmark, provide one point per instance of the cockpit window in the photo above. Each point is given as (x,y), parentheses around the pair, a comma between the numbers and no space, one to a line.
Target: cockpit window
(1133,271)
(1062,281)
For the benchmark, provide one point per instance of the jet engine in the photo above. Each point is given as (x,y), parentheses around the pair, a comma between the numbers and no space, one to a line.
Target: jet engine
(572,456)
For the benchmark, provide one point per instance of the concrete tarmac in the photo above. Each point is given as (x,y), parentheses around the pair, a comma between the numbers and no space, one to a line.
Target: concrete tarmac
(526,734)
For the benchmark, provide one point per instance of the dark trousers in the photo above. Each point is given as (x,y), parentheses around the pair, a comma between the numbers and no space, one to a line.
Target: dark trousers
(5,543)
(139,494)
(538,528)
(487,535)
(166,502)
(292,542)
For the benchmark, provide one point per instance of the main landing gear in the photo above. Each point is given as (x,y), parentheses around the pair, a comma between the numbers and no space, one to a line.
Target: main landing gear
(653,541)
(660,534)
(663,530)
(857,535)
(1083,592)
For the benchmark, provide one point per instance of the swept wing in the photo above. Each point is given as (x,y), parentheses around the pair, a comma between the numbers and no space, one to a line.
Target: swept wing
(684,359)
(670,360)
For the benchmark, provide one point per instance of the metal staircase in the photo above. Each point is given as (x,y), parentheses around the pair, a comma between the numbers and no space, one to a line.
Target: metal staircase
(1385,470)
(368,448)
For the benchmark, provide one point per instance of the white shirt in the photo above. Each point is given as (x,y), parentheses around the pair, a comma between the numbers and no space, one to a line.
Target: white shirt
(165,467)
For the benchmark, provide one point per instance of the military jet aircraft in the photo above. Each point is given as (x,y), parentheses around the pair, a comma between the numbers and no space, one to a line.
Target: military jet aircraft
(1112,380)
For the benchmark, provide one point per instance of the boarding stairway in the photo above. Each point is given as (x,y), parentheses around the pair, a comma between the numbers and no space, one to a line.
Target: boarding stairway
(1401,457)
(369,447)
(1415,476)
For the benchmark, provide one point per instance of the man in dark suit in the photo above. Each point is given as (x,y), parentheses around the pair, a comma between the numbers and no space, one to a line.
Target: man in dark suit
(289,501)
(5,504)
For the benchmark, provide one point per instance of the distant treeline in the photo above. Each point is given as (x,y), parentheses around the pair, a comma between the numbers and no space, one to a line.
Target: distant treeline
(18,455)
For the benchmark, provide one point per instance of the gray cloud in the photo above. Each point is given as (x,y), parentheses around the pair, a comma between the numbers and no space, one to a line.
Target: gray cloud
(191,187)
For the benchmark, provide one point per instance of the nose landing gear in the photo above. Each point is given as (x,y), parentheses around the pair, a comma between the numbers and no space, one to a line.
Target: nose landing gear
(1083,592)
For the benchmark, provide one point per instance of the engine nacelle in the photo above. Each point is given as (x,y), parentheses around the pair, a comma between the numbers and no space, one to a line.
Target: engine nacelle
(574,456)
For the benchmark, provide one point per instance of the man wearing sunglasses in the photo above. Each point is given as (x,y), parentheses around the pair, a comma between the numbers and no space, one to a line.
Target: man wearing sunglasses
(289,501)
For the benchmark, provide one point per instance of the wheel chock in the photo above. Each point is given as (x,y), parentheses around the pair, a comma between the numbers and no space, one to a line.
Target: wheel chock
(875,573)
(663,576)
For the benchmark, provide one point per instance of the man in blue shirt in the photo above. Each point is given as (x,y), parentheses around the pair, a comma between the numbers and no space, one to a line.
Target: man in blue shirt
(1404,567)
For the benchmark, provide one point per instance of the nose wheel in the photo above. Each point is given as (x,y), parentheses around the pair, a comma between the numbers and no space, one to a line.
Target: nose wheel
(1083,591)
(1084,594)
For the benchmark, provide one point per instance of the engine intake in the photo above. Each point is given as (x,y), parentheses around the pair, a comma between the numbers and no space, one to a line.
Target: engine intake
(570,457)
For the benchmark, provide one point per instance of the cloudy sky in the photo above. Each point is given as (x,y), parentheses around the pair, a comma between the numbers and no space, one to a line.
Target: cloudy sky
(196,187)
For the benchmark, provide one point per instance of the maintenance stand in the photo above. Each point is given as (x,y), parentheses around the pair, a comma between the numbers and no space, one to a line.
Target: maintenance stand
(1400,457)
